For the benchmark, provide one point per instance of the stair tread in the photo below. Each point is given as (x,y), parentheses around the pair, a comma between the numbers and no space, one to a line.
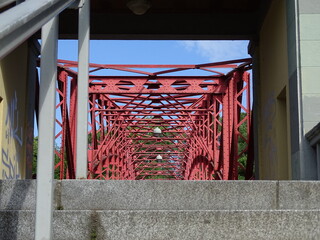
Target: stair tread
(163,225)
(169,195)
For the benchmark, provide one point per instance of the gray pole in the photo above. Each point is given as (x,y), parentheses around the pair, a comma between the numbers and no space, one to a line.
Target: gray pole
(82,106)
(318,158)
(45,166)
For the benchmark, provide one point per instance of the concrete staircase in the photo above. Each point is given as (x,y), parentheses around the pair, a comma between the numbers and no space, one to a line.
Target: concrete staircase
(88,209)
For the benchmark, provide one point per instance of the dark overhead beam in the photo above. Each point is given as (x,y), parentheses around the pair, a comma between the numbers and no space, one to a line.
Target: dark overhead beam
(163,26)
(172,24)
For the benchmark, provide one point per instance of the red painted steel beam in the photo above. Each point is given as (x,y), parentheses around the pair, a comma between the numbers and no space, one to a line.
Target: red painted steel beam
(200,117)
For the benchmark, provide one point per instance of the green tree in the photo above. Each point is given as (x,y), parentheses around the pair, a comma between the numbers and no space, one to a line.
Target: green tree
(35,160)
(35,156)
(242,144)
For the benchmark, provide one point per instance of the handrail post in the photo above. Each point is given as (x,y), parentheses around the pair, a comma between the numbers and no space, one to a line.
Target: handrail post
(83,84)
(318,158)
(45,165)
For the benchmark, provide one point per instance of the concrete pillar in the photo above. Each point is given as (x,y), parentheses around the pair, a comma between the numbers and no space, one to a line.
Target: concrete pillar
(270,85)
(303,17)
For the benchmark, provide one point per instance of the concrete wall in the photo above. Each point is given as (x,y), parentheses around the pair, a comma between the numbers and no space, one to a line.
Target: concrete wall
(303,17)
(309,33)
(309,42)
(271,96)
(16,129)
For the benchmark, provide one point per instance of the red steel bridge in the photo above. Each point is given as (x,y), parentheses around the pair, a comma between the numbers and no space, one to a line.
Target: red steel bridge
(179,122)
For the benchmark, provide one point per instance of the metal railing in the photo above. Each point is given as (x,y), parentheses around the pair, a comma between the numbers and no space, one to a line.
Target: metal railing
(17,24)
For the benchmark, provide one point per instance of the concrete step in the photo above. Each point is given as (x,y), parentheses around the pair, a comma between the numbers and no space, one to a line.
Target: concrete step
(162,224)
(166,195)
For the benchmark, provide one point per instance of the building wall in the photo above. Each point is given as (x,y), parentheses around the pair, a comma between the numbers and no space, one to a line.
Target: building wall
(309,46)
(13,113)
(287,90)
(273,125)
(303,17)
(309,41)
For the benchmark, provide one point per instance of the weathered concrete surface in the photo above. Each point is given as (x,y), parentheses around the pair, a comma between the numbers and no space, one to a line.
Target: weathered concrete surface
(167,210)
(16,225)
(17,194)
(168,195)
(158,225)
(299,195)
(163,225)
(71,225)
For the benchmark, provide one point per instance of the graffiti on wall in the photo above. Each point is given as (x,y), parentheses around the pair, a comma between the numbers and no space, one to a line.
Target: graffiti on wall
(13,142)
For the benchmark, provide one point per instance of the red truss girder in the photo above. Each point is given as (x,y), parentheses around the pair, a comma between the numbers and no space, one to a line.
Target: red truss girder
(204,118)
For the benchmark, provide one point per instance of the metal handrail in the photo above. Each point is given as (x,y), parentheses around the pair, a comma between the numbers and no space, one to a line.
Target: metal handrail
(20,22)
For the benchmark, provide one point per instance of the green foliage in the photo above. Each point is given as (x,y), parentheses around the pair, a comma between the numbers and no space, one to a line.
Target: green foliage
(93,235)
(35,159)
(90,137)
(241,147)
(35,156)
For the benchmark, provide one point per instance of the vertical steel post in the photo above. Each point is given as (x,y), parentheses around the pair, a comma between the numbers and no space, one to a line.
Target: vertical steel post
(318,159)
(226,132)
(48,76)
(72,124)
(62,90)
(82,99)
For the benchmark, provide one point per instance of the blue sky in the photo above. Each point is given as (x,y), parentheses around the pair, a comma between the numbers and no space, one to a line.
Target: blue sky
(156,52)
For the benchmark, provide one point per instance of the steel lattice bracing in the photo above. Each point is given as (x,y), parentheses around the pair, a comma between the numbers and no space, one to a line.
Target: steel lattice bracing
(204,121)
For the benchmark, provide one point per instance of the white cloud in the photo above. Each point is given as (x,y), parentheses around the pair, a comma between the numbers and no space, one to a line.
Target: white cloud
(218,50)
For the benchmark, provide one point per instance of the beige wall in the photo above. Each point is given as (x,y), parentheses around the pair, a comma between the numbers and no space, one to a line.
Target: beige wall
(273,111)
(13,110)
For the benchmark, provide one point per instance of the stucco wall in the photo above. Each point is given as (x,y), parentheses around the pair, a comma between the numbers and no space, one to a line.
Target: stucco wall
(273,111)
(13,110)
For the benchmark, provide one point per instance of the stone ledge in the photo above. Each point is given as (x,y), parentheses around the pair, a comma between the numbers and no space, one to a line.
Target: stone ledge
(299,195)
(184,225)
(165,195)
(168,195)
